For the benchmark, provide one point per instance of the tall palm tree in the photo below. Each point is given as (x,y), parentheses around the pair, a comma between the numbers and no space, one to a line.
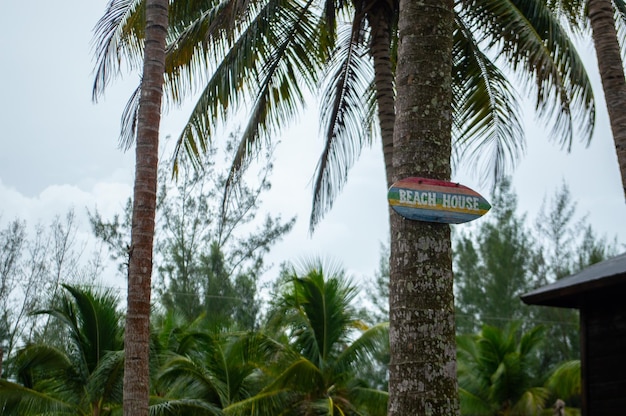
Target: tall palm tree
(496,372)
(85,377)
(422,371)
(271,51)
(136,370)
(316,374)
(607,19)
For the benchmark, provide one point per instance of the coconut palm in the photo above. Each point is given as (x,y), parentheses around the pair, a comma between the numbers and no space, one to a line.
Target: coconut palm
(154,18)
(84,377)
(201,371)
(316,374)
(496,372)
(272,54)
(607,19)
(565,384)
(422,376)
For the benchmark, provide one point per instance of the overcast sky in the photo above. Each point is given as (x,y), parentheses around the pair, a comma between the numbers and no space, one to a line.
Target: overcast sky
(59,149)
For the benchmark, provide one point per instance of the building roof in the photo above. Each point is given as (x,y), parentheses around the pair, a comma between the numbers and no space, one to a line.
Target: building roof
(597,283)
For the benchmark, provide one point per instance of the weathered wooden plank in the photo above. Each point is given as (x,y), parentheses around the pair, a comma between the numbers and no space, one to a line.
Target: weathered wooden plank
(432,200)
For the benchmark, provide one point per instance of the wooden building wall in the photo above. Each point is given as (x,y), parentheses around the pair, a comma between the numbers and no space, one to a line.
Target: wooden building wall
(603,356)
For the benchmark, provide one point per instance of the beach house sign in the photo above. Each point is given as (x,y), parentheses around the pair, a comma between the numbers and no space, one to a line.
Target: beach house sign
(432,200)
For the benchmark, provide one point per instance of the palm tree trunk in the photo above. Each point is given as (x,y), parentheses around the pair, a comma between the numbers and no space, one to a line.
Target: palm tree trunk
(422,371)
(383,79)
(602,20)
(137,333)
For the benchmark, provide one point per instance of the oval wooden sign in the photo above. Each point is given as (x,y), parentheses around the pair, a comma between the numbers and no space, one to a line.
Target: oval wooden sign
(433,200)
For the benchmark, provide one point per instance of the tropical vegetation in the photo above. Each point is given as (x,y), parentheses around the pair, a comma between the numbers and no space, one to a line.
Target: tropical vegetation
(80,376)
(293,41)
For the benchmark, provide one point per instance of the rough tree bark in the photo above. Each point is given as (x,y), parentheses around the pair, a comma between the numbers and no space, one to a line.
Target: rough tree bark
(137,333)
(422,372)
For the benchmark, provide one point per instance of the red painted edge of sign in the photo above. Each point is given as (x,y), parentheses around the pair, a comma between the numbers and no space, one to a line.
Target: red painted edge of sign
(434,200)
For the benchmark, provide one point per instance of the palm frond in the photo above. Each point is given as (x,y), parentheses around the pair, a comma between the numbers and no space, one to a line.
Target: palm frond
(105,382)
(284,75)
(262,404)
(17,400)
(362,349)
(34,360)
(118,35)
(167,406)
(343,116)
(529,38)
(186,377)
(375,401)
(565,380)
(99,322)
(487,122)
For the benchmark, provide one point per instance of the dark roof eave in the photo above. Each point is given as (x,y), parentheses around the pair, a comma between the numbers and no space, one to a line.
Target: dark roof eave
(573,291)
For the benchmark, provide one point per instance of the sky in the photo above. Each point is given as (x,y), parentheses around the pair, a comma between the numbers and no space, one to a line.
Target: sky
(58,149)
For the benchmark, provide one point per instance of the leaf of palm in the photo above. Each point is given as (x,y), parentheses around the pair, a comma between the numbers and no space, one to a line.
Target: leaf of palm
(17,400)
(189,407)
(51,374)
(118,33)
(325,302)
(104,386)
(262,64)
(361,350)
(565,380)
(531,39)
(344,117)
(98,329)
(300,380)
(531,402)
(487,122)
(374,401)
(185,377)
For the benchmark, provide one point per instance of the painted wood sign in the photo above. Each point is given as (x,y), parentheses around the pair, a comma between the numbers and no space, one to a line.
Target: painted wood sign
(433,200)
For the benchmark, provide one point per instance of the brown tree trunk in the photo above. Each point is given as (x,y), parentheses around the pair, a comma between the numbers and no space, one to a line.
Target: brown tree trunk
(422,371)
(137,332)
(602,19)
(383,78)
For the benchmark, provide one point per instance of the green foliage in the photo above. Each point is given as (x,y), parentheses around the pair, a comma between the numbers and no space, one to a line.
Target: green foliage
(326,344)
(493,267)
(82,377)
(267,56)
(33,263)
(209,253)
(498,372)
(504,258)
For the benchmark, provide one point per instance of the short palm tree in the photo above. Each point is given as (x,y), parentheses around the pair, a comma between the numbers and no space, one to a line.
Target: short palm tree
(316,374)
(495,372)
(85,377)
(202,371)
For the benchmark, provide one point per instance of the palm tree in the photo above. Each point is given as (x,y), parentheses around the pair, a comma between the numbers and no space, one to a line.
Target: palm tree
(85,377)
(136,372)
(607,19)
(316,373)
(201,370)
(271,51)
(422,371)
(496,372)
(565,384)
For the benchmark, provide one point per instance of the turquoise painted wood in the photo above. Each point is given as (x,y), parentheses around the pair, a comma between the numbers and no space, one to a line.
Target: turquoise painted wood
(432,200)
